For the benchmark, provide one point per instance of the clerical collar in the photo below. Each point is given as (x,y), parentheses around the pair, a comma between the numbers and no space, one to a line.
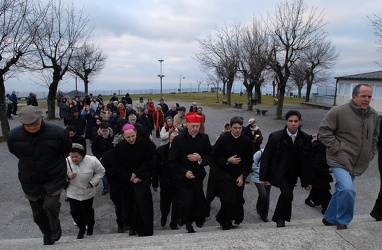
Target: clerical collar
(193,136)
(235,136)
(290,134)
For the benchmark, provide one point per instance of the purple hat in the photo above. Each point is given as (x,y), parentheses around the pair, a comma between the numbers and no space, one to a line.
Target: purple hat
(127,127)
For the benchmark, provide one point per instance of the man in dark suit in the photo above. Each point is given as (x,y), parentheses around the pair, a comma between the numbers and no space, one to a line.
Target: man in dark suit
(285,158)
(162,174)
(233,156)
(189,153)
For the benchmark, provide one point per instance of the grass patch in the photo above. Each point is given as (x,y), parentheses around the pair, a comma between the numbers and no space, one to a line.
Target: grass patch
(202,98)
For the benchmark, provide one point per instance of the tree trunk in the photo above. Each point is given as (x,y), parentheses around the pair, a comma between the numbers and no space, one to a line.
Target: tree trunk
(86,86)
(229,89)
(258,93)
(3,110)
(299,91)
(223,89)
(279,111)
(309,83)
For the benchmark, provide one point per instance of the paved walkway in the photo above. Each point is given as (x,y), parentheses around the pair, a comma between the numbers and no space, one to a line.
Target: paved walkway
(17,220)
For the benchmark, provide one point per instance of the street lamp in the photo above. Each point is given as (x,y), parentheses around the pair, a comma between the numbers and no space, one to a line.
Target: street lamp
(180,82)
(161,76)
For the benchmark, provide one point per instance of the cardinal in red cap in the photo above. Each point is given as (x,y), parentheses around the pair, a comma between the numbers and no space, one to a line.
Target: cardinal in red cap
(192,117)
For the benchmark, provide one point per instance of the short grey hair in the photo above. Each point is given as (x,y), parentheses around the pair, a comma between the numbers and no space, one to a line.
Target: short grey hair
(357,88)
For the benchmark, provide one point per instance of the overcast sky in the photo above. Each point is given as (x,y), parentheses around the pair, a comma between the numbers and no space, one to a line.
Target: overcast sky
(135,34)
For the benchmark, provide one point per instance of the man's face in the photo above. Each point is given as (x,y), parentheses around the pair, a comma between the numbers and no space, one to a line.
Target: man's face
(181,113)
(363,99)
(172,136)
(34,127)
(105,132)
(199,112)
(132,121)
(193,128)
(293,123)
(72,133)
(173,107)
(130,136)
(76,114)
(236,129)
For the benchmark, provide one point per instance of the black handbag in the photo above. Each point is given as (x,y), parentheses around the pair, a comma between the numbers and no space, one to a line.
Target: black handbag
(67,179)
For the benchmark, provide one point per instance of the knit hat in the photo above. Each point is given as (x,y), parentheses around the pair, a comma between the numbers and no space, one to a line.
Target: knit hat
(250,121)
(29,114)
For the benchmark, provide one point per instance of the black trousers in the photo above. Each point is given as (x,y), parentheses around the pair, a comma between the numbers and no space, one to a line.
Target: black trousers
(45,213)
(82,212)
(284,203)
(321,197)
(169,199)
(14,108)
(213,184)
(119,211)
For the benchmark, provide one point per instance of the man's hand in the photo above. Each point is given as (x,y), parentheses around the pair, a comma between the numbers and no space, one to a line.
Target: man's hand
(309,187)
(132,177)
(136,180)
(89,185)
(194,157)
(190,175)
(155,189)
(264,183)
(234,160)
(239,181)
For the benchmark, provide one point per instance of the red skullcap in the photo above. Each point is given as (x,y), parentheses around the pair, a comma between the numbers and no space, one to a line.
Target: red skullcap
(192,117)
(127,127)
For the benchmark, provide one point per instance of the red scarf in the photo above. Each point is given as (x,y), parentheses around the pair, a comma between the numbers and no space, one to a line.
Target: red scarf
(168,127)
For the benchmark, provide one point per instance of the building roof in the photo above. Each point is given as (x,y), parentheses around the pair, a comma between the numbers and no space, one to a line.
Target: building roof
(377,75)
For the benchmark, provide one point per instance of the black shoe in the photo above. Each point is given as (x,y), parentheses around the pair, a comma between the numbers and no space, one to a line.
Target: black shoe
(190,229)
(227,225)
(309,203)
(163,221)
(132,232)
(89,231)
(104,192)
(264,218)
(342,227)
(376,216)
(48,239)
(327,223)
(56,234)
(173,226)
(281,223)
(81,233)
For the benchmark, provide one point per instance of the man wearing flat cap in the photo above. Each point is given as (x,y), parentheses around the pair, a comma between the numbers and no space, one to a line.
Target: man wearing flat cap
(190,152)
(41,149)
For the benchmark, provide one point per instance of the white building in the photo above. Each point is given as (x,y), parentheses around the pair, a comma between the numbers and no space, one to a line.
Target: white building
(345,85)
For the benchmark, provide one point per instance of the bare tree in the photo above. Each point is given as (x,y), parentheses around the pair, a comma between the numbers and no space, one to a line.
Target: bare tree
(61,32)
(294,28)
(215,81)
(220,53)
(254,57)
(298,76)
(87,61)
(18,21)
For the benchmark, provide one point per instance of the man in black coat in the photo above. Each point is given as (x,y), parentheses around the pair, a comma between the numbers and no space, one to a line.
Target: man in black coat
(41,149)
(133,166)
(102,143)
(233,156)
(190,152)
(74,137)
(168,194)
(78,122)
(285,158)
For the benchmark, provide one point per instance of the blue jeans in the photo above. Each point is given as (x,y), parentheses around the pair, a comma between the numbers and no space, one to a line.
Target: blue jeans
(341,206)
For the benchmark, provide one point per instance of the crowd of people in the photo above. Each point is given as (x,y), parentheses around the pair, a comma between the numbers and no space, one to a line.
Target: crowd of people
(131,166)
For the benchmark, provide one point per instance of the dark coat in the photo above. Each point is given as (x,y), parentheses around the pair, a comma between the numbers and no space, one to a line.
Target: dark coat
(193,205)
(137,159)
(79,139)
(79,123)
(161,169)
(101,145)
(116,186)
(276,160)
(322,177)
(42,165)
(225,147)
(257,138)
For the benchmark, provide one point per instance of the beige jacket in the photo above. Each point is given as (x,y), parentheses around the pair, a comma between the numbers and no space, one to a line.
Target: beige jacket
(350,136)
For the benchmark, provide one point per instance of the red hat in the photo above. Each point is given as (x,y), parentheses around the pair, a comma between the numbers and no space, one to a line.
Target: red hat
(192,117)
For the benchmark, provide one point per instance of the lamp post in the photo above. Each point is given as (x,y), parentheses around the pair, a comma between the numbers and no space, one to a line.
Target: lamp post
(180,82)
(161,76)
